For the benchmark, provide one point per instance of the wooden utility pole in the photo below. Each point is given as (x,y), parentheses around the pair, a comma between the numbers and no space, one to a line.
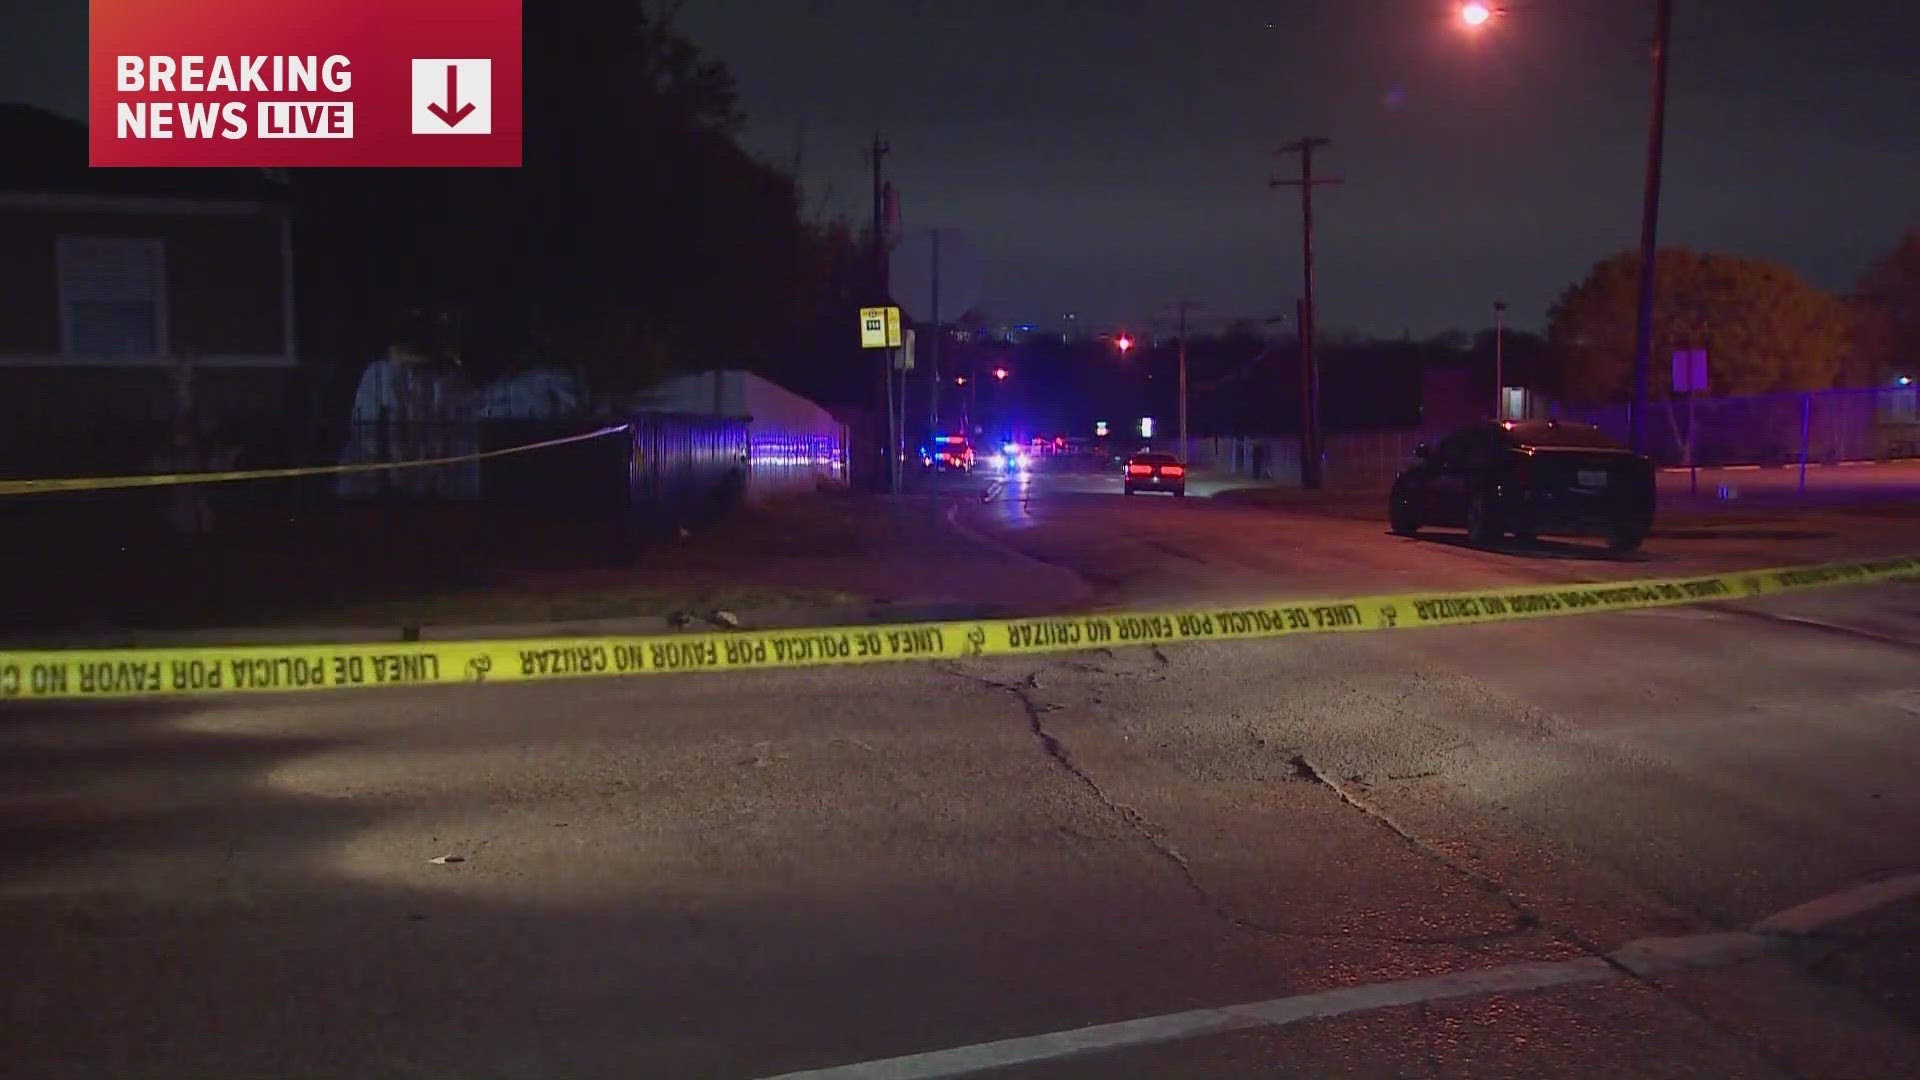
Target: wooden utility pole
(1309,366)
(1650,227)
(878,153)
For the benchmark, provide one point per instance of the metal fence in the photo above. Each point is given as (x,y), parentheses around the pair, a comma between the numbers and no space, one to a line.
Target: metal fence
(1350,460)
(1368,460)
(1823,427)
(1273,458)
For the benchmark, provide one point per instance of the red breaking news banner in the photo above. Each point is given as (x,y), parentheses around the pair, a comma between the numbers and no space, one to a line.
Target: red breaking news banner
(288,83)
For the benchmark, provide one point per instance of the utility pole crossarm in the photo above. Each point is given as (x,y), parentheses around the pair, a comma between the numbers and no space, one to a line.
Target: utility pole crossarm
(1305,148)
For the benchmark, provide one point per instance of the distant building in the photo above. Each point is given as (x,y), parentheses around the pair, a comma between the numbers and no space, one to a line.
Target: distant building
(145,309)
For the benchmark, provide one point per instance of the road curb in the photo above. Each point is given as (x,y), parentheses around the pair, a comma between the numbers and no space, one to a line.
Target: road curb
(1645,959)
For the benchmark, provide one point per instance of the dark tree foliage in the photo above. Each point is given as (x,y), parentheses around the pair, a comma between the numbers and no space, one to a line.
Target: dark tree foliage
(1886,309)
(1763,326)
(637,240)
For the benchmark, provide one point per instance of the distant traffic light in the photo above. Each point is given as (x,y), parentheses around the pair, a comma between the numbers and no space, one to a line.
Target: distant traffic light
(1100,429)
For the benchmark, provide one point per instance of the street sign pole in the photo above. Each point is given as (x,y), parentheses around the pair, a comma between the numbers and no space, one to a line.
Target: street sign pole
(901,450)
(893,428)
(880,331)
(1693,459)
(1690,378)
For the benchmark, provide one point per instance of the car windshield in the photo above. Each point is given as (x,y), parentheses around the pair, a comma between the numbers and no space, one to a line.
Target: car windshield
(1546,434)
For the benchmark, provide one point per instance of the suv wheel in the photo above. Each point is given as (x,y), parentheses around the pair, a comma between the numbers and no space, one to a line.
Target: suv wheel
(1482,527)
(1400,516)
(1626,536)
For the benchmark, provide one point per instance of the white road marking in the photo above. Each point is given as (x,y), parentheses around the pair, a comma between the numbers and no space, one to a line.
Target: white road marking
(1837,907)
(1641,958)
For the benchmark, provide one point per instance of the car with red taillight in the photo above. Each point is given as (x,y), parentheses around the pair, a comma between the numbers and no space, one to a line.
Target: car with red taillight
(1528,478)
(1156,472)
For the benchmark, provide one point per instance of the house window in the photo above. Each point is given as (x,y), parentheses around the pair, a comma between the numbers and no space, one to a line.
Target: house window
(113,297)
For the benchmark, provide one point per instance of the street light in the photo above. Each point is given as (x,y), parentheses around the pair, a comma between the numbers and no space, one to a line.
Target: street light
(1476,14)
(1124,343)
(1000,373)
(1499,359)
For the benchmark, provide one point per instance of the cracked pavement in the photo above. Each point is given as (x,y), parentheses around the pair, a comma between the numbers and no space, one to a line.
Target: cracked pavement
(746,875)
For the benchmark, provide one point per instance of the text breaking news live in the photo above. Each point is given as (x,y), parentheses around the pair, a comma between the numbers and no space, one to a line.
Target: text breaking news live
(350,83)
(134,673)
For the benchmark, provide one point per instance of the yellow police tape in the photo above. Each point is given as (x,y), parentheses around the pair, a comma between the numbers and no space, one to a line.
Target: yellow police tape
(152,480)
(124,673)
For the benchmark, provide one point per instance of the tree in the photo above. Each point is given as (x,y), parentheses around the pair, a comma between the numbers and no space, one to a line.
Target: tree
(1887,310)
(638,233)
(1764,328)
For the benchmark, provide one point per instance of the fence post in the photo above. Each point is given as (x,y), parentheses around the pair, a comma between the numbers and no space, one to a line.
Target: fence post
(1806,430)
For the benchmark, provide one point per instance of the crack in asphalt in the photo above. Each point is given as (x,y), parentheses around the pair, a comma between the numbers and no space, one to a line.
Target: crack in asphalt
(1154,836)
(1056,751)
(1306,769)
(1525,915)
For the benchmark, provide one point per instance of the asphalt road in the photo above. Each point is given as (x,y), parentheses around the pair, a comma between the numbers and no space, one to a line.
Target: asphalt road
(754,875)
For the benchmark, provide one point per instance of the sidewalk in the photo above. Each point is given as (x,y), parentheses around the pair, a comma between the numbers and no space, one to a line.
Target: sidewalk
(443,572)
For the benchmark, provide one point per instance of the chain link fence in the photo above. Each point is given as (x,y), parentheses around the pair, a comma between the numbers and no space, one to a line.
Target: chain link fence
(1824,428)
(1821,428)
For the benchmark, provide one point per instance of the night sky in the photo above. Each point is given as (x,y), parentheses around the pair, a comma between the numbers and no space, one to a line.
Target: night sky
(1109,156)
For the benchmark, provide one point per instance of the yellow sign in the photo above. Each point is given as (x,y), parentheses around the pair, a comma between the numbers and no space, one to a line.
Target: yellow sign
(880,328)
(165,672)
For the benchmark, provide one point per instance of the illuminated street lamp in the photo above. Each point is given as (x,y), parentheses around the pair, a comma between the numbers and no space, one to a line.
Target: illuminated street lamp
(1000,373)
(1124,343)
(1477,14)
